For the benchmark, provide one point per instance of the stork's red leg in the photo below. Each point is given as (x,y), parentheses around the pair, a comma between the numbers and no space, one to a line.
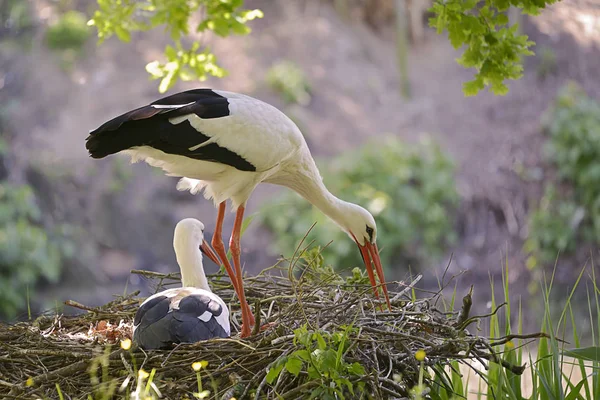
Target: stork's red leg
(234,246)
(219,246)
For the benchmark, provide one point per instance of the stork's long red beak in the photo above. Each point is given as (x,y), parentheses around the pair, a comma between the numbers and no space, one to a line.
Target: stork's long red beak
(370,255)
(206,250)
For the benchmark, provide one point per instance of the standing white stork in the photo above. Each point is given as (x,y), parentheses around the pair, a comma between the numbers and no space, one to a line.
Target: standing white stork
(227,143)
(187,314)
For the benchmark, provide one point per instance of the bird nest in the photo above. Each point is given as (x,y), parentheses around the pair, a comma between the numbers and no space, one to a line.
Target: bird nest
(320,334)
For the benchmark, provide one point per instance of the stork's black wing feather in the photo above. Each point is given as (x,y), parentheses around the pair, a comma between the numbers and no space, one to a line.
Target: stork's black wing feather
(150,126)
(158,326)
(152,310)
(188,96)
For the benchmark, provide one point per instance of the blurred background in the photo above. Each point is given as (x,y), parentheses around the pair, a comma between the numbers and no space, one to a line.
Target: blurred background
(486,186)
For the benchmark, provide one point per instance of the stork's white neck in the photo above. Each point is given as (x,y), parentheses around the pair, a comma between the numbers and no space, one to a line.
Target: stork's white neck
(306,181)
(189,258)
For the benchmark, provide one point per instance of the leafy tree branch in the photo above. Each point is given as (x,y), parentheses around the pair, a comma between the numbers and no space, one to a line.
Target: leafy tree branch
(492,46)
(223,17)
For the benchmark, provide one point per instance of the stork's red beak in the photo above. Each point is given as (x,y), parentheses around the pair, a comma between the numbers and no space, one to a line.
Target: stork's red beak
(370,255)
(206,250)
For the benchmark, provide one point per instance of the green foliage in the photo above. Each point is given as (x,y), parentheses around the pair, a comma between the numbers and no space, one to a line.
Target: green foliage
(223,17)
(312,269)
(288,79)
(573,128)
(15,16)
(69,32)
(410,190)
(27,253)
(548,63)
(321,356)
(549,377)
(358,277)
(552,229)
(492,47)
(185,65)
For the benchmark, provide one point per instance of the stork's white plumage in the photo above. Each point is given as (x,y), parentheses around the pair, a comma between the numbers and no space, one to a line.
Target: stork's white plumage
(225,144)
(187,314)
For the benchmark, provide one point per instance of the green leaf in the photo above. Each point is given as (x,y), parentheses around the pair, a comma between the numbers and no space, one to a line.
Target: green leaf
(294,365)
(313,373)
(220,26)
(491,39)
(320,341)
(328,360)
(585,353)
(575,390)
(239,28)
(302,354)
(123,34)
(253,14)
(356,369)
(154,69)
(473,87)
(246,223)
(171,53)
(275,370)
(168,81)
(502,19)
(456,34)
(499,88)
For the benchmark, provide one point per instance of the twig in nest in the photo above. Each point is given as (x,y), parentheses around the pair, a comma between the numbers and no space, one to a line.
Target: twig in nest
(508,338)
(257,310)
(408,287)
(72,303)
(469,321)
(463,316)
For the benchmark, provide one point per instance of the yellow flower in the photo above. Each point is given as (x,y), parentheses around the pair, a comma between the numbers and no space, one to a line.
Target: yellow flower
(420,355)
(29,382)
(126,344)
(198,365)
(510,345)
(143,374)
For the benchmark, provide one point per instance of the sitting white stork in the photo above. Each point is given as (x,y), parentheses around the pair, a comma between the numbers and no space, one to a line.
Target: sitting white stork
(227,143)
(187,314)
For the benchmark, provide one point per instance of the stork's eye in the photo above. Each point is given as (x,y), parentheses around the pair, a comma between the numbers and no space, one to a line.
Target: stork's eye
(370,233)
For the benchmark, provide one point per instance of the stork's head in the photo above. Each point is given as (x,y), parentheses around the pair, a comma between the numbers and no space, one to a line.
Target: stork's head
(190,231)
(360,225)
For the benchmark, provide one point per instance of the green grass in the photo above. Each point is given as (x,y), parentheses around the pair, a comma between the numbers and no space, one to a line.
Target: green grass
(558,367)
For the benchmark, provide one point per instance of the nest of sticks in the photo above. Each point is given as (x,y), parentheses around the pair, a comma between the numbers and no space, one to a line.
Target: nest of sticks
(88,354)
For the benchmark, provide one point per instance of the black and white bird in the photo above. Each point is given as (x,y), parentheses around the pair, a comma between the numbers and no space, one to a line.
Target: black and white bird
(225,144)
(187,314)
